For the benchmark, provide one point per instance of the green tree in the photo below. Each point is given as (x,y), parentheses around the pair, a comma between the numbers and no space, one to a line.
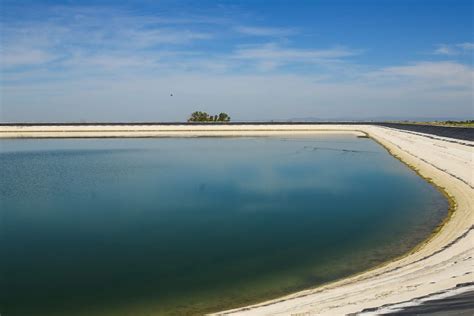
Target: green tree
(223,117)
(199,116)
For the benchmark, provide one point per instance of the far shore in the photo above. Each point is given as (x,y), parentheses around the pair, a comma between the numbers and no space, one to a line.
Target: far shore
(180,129)
(442,263)
(137,131)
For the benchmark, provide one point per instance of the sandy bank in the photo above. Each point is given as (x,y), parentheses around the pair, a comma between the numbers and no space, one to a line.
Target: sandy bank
(445,261)
(85,131)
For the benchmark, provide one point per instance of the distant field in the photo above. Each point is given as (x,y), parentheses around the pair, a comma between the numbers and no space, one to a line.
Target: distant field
(469,123)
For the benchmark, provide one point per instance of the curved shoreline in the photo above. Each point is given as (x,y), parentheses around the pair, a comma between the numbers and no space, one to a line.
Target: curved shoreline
(439,227)
(404,278)
(439,263)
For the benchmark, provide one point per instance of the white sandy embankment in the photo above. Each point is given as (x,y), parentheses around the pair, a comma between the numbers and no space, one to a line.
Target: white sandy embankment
(137,130)
(443,262)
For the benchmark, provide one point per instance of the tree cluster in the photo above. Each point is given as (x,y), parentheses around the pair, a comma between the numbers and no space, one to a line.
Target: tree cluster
(199,116)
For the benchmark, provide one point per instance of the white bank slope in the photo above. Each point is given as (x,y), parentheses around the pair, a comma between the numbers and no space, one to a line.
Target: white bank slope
(443,263)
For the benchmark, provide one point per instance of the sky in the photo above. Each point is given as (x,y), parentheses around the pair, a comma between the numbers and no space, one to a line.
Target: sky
(88,61)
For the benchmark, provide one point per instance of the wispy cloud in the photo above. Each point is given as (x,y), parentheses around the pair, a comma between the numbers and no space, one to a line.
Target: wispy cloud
(95,33)
(272,55)
(265,31)
(148,38)
(22,57)
(431,75)
(454,49)
(444,49)
(466,46)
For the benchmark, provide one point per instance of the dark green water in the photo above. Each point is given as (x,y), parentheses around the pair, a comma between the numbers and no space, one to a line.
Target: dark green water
(187,226)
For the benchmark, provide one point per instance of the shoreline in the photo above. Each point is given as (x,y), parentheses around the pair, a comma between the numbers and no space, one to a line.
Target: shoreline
(450,212)
(457,134)
(139,131)
(443,260)
(404,278)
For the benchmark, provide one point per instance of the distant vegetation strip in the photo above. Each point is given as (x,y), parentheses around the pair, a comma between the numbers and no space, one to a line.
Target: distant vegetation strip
(199,116)
(466,123)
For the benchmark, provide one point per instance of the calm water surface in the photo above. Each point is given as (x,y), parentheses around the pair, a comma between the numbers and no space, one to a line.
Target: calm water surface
(187,226)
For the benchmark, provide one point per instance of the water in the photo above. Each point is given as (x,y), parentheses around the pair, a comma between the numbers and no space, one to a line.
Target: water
(188,226)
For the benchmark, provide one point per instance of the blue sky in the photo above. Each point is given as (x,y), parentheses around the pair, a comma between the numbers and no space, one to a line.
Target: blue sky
(119,61)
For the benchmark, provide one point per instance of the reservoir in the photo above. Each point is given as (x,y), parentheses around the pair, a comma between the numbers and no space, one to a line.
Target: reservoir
(185,226)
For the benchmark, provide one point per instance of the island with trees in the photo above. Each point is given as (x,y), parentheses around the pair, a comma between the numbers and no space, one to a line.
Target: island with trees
(199,116)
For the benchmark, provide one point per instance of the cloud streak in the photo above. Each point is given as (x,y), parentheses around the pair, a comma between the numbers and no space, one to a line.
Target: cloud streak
(454,49)
(270,56)
(24,57)
(94,33)
(265,31)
